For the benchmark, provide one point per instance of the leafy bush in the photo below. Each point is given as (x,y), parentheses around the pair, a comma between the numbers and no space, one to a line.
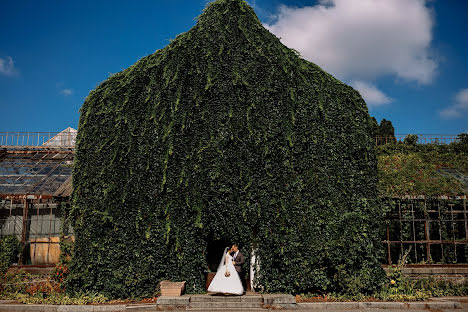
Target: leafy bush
(13,282)
(411,139)
(461,145)
(414,169)
(399,287)
(55,298)
(10,249)
(225,134)
(35,289)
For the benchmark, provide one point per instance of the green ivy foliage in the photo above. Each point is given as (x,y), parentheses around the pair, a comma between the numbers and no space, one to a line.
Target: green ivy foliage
(225,134)
(375,127)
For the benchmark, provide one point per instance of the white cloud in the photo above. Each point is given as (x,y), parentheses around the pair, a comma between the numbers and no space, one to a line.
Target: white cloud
(7,66)
(459,108)
(370,93)
(362,39)
(66,92)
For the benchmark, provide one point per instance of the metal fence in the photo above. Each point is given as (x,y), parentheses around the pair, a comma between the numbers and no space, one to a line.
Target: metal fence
(67,139)
(421,139)
(38,139)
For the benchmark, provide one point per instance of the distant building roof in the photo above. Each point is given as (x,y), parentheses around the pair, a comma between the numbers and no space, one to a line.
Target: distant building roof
(41,170)
(66,138)
(454,173)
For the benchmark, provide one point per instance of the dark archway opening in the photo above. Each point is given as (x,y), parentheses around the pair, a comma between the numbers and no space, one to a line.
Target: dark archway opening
(215,249)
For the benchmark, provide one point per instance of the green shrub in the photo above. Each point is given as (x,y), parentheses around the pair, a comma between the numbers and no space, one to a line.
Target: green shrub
(399,287)
(411,139)
(36,289)
(10,249)
(461,145)
(414,169)
(225,134)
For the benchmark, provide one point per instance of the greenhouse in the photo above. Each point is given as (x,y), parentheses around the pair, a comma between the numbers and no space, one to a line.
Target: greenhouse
(35,178)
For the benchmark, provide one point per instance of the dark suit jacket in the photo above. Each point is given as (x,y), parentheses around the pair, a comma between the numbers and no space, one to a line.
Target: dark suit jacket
(239,261)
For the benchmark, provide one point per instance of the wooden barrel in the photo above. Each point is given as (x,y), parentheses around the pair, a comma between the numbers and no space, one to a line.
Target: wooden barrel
(44,250)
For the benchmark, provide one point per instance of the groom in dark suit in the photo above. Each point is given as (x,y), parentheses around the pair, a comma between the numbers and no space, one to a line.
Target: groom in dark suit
(238,260)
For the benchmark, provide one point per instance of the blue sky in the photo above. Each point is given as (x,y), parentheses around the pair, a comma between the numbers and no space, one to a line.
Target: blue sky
(408,58)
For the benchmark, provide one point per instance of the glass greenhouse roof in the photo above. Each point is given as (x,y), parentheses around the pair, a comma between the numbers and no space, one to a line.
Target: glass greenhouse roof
(34,172)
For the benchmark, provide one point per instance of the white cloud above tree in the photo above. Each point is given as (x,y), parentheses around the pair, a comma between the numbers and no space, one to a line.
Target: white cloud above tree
(459,108)
(370,93)
(362,40)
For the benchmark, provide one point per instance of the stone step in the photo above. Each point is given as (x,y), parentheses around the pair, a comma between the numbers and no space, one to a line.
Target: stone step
(224,305)
(208,298)
(227,309)
(435,271)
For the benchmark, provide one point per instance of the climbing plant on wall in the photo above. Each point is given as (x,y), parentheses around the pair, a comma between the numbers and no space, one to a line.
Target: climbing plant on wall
(225,134)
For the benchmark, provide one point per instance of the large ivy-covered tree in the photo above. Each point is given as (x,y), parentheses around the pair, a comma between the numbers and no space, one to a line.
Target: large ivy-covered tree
(225,134)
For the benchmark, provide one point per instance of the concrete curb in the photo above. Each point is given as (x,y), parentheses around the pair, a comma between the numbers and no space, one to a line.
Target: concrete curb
(379,305)
(77,308)
(270,301)
(328,305)
(173,301)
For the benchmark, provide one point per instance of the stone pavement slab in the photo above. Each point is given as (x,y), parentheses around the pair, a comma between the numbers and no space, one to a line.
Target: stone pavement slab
(109,308)
(278,299)
(214,303)
(175,301)
(71,308)
(328,305)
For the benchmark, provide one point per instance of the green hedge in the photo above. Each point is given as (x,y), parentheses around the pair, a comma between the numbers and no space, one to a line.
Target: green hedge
(10,249)
(225,134)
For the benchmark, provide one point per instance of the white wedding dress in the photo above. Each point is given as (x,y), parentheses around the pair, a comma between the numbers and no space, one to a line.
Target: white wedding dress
(226,285)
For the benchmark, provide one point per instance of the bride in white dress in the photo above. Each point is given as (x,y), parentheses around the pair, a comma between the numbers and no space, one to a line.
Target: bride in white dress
(226,280)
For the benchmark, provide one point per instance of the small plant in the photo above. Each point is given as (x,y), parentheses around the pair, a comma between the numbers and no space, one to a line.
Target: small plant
(62,268)
(395,274)
(60,273)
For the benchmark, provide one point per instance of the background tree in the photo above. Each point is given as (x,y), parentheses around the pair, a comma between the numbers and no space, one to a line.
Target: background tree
(386,132)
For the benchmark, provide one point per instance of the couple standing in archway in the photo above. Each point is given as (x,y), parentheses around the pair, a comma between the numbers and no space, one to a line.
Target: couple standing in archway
(230,276)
